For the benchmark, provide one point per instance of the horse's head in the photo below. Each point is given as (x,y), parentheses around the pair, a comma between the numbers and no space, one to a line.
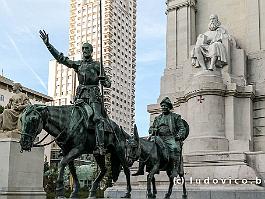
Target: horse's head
(31,126)
(133,148)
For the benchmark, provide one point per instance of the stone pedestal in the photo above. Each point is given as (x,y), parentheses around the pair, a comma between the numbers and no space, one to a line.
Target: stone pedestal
(206,113)
(216,175)
(21,174)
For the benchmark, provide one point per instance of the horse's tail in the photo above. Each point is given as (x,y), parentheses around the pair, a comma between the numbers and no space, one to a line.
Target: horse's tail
(115,166)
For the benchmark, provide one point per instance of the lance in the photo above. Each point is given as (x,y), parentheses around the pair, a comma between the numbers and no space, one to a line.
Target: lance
(101,53)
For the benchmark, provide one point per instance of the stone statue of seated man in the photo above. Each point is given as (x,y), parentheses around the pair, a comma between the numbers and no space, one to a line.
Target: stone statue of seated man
(17,103)
(209,46)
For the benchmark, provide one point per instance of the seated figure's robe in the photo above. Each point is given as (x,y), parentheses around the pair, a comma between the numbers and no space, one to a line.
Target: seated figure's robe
(11,114)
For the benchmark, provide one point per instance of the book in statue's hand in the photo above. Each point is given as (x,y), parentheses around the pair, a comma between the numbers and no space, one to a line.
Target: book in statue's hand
(201,39)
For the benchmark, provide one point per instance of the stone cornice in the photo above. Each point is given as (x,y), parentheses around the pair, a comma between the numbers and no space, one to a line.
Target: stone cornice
(259,98)
(219,92)
(248,93)
(186,3)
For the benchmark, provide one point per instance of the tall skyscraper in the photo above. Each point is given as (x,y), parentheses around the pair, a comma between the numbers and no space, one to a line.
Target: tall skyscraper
(119,55)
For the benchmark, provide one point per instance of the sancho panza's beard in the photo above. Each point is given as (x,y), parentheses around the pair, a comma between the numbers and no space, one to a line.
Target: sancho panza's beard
(213,26)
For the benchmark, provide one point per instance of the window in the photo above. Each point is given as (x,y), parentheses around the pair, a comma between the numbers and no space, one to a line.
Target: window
(2,98)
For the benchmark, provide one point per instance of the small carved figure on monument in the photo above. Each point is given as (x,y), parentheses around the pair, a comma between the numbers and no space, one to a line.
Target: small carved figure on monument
(209,46)
(9,119)
(88,72)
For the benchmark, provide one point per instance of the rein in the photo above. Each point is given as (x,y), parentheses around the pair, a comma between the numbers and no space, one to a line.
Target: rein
(38,143)
(41,145)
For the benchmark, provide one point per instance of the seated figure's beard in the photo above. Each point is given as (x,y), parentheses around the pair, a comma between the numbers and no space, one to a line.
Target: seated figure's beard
(212,26)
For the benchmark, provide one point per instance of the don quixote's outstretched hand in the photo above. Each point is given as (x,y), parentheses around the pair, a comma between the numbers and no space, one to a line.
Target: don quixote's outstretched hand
(44,36)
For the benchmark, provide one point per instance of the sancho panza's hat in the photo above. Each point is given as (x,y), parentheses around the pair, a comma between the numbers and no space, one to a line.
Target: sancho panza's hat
(167,101)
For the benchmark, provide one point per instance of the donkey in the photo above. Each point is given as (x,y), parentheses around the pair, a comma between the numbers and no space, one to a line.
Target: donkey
(149,153)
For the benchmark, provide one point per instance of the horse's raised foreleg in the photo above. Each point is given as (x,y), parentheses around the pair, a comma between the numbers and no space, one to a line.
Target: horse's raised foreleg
(184,196)
(129,188)
(74,153)
(150,177)
(171,183)
(100,159)
(76,185)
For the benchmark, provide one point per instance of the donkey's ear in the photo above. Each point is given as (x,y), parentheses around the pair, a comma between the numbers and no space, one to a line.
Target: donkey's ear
(135,133)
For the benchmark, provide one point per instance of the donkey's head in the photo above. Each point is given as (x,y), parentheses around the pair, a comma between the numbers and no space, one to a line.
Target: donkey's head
(133,148)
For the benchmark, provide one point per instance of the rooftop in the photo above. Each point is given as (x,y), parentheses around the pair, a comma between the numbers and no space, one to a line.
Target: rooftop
(8,83)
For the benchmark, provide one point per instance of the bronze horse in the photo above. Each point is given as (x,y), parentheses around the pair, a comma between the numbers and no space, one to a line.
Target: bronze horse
(148,152)
(75,141)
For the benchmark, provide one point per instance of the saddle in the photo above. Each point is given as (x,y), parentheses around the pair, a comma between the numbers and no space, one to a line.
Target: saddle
(87,112)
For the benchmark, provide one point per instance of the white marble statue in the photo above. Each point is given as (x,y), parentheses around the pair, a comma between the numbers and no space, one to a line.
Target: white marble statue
(209,46)
(17,103)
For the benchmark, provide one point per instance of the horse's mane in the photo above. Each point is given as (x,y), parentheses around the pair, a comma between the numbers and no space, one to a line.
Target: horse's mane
(61,112)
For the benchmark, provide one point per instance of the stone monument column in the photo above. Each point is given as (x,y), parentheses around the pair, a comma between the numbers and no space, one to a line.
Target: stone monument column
(206,113)
(180,31)
(180,35)
(21,174)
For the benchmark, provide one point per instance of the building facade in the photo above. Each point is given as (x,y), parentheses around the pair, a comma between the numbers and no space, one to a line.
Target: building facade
(119,55)
(6,93)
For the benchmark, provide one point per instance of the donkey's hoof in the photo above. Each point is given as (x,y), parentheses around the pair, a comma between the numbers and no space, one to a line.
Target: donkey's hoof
(127,195)
(150,196)
(167,196)
(184,197)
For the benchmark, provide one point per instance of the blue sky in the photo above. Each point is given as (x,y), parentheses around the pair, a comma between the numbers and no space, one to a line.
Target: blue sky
(24,58)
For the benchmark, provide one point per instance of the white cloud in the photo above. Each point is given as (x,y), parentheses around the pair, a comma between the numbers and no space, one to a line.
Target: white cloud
(25,63)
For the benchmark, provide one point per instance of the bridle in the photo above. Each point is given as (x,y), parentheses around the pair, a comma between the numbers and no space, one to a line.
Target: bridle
(138,153)
(133,145)
(38,144)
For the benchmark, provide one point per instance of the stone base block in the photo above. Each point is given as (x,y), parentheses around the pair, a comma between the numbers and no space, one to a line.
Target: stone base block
(21,174)
(259,143)
(240,145)
(192,194)
(206,144)
(208,175)
(22,195)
